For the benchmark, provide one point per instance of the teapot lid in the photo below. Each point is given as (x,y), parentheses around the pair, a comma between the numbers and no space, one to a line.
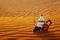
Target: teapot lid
(41,19)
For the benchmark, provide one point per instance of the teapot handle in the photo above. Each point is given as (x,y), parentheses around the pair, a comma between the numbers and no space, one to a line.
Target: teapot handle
(49,21)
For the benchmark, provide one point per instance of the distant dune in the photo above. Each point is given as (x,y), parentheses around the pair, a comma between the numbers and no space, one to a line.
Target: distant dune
(29,7)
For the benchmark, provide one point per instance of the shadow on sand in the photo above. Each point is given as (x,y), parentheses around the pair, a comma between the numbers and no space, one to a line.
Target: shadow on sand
(47,36)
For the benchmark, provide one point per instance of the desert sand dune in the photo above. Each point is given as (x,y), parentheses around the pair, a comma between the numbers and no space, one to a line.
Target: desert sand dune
(18,28)
(29,7)
(16,19)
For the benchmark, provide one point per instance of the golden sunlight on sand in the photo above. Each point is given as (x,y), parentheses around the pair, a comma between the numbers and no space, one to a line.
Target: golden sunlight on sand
(16,19)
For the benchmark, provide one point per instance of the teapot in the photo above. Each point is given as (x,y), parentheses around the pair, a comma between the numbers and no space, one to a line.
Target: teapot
(42,25)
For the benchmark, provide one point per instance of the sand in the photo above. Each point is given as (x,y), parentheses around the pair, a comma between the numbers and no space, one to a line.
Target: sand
(17,19)
(21,28)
